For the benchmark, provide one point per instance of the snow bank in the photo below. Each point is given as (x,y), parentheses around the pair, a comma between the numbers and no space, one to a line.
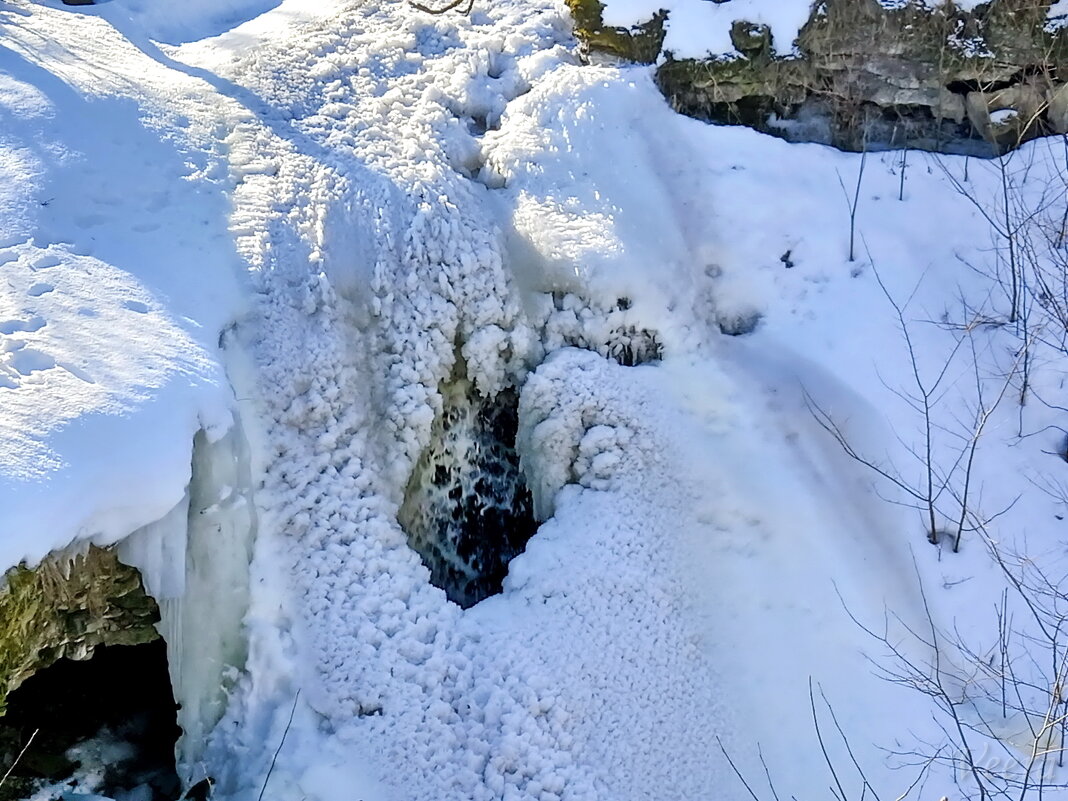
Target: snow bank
(599,190)
(117,283)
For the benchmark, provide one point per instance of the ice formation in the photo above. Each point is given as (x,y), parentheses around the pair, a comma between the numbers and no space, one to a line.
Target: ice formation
(195,563)
(440,703)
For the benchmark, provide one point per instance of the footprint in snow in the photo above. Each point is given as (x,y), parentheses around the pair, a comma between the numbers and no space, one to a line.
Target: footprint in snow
(35,323)
(158,201)
(136,306)
(77,372)
(46,261)
(39,289)
(28,360)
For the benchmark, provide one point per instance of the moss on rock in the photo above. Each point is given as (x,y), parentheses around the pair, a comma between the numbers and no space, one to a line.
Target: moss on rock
(65,608)
(641,43)
(871,76)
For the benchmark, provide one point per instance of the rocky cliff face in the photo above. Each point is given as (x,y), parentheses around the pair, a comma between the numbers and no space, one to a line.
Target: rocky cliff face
(866,74)
(66,607)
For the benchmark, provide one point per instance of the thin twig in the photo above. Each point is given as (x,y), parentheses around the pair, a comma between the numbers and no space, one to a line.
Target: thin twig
(734,767)
(22,753)
(278,750)
(444,9)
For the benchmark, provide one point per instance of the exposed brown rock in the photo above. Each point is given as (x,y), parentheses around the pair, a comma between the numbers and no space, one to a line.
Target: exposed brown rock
(65,608)
(864,76)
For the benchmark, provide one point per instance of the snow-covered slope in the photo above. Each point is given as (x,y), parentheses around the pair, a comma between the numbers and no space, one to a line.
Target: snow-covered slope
(119,275)
(341,202)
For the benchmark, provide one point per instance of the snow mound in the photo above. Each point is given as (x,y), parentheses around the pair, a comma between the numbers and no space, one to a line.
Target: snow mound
(87,355)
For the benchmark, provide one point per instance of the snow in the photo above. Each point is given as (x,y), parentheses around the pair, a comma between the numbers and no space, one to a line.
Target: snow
(1057,16)
(921,254)
(594,228)
(327,204)
(182,22)
(115,289)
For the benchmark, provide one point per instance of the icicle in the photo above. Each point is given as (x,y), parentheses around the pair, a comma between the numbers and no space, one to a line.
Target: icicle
(158,551)
(194,562)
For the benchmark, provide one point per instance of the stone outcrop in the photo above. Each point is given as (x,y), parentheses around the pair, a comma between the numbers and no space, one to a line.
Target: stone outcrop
(865,74)
(642,43)
(66,607)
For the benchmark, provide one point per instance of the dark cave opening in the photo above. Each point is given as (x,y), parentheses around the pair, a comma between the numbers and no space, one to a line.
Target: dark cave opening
(105,725)
(467,511)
